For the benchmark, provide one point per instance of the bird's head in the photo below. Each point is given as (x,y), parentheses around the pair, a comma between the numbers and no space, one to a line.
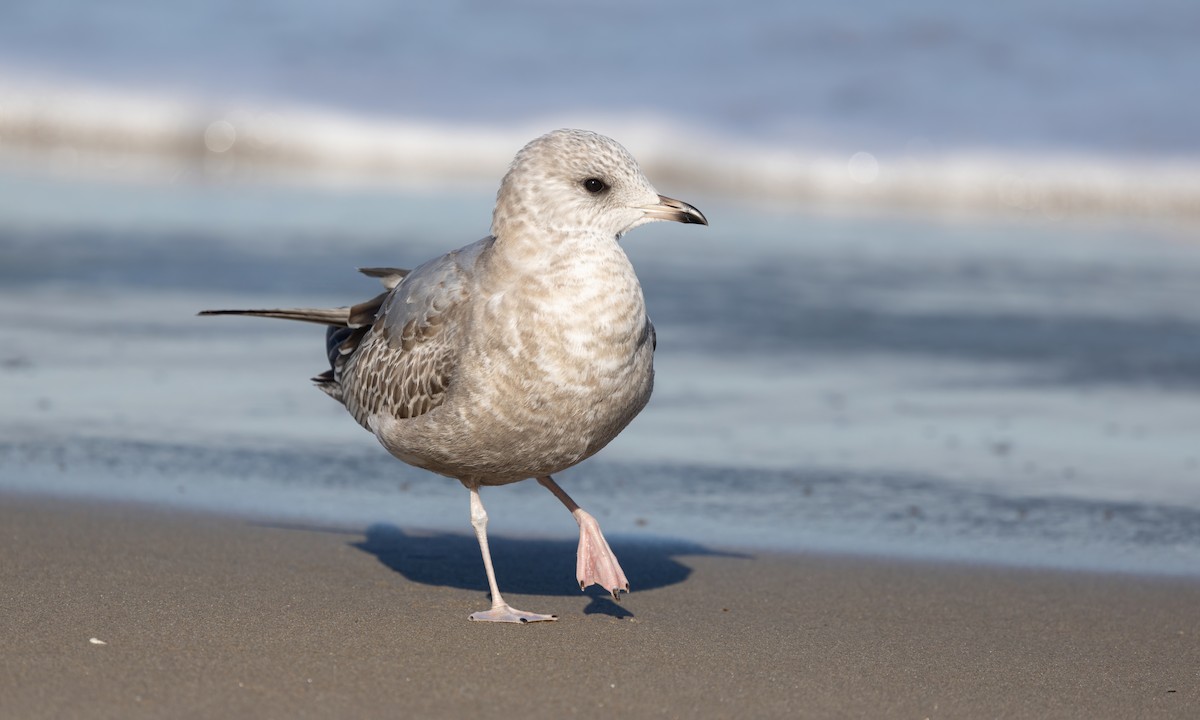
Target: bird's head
(577,181)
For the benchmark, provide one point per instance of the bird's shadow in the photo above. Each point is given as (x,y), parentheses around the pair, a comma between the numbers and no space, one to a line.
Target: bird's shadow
(524,566)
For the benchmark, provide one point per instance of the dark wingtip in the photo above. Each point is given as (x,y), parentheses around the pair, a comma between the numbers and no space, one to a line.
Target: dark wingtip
(380,272)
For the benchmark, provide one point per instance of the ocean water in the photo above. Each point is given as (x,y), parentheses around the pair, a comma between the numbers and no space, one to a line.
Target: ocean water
(1010,391)
(1035,106)
(946,307)
(1108,76)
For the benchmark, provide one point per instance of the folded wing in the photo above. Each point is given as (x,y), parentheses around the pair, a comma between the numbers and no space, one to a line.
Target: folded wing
(397,352)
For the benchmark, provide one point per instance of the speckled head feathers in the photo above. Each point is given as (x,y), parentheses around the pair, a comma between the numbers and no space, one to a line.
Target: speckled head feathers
(577,181)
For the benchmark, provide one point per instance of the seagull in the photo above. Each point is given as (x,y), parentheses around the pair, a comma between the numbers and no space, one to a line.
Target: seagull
(517,356)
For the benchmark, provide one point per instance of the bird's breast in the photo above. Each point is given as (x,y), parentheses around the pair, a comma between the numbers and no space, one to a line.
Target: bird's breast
(575,341)
(568,360)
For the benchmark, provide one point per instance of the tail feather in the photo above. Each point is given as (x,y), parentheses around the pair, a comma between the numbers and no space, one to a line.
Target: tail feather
(346,326)
(390,277)
(338,317)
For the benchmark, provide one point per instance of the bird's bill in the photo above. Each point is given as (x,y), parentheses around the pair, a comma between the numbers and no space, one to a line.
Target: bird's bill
(676,210)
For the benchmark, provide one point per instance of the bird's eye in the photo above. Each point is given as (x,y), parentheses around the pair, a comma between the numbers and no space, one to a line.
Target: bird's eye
(594,185)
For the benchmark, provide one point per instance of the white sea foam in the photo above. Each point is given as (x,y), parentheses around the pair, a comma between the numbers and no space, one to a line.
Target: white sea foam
(118,135)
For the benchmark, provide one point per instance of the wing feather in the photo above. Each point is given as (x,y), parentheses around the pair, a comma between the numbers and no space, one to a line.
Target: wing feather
(403,362)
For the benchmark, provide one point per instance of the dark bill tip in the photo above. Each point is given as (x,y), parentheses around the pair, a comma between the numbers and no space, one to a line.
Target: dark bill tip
(676,211)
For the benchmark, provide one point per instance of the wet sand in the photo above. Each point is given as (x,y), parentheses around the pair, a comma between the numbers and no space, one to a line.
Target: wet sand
(214,616)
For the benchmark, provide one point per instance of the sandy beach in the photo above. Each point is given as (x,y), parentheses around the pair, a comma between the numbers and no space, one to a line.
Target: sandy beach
(214,616)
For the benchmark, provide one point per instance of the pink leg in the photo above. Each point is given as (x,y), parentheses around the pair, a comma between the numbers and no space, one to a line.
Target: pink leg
(595,562)
(501,611)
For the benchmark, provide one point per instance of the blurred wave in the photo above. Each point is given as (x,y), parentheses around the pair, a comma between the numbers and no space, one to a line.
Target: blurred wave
(120,135)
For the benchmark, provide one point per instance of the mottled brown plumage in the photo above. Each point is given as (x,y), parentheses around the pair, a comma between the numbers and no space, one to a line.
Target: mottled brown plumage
(521,354)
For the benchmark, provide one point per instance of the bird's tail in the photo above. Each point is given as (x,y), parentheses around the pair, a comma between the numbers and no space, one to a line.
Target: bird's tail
(335,317)
(346,326)
(352,317)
